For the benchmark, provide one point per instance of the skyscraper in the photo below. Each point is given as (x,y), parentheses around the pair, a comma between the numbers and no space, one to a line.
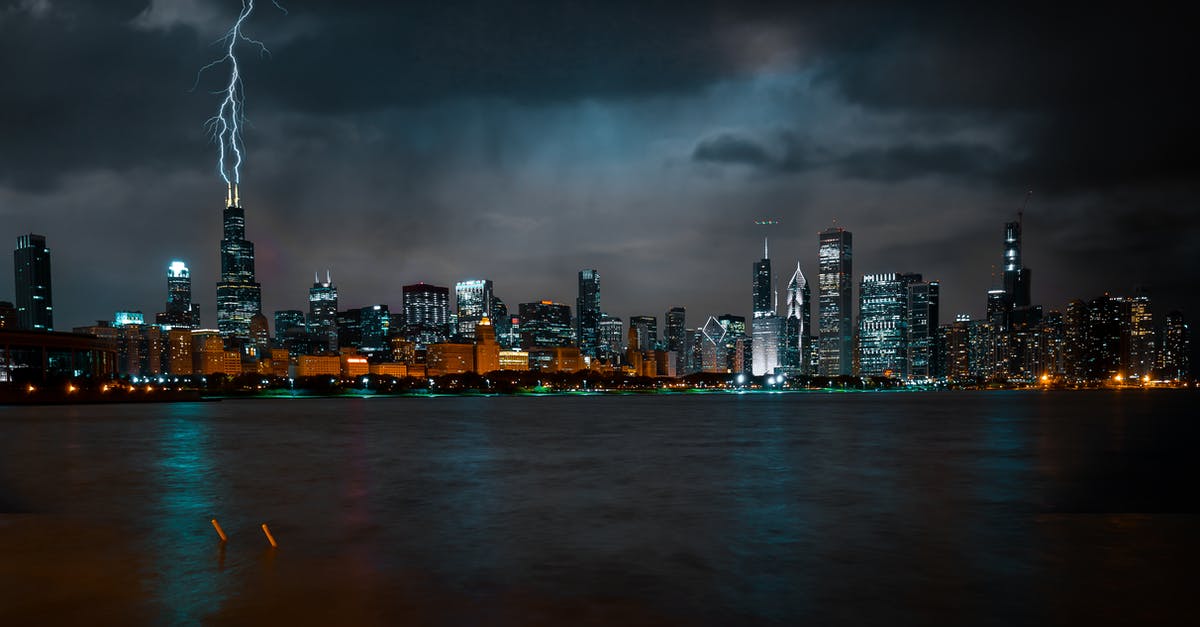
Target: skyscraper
(587,312)
(647,330)
(35,300)
(1175,357)
(546,324)
(674,331)
(796,327)
(883,309)
(610,334)
(426,313)
(1016,276)
(473,302)
(923,301)
(180,312)
(239,296)
(766,328)
(834,301)
(375,323)
(287,319)
(323,311)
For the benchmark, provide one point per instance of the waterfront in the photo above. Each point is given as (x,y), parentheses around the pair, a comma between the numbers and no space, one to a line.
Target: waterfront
(916,508)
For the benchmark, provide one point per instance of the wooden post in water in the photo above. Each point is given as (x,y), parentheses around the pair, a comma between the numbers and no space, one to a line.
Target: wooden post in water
(270,538)
(221,532)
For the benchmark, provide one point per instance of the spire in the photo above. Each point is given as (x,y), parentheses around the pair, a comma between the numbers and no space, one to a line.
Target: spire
(237,201)
(328,279)
(766,254)
(316,279)
(229,194)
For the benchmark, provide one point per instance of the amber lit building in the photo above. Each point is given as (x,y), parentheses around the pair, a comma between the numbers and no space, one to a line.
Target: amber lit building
(487,351)
(447,358)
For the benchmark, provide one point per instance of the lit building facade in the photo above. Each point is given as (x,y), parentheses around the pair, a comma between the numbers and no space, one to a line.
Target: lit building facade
(426,313)
(924,298)
(796,324)
(611,331)
(647,331)
(473,302)
(323,312)
(766,328)
(546,324)
(587,311)
(35,296)
(180,312)
(239,296)
(883,324)
(834,300)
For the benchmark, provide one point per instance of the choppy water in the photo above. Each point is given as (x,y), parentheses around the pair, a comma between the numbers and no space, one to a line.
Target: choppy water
(830,509)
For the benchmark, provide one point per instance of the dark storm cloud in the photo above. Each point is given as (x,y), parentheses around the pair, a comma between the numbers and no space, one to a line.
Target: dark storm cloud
(437,141)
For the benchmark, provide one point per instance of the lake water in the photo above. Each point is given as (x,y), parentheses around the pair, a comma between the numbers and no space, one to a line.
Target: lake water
(966,508)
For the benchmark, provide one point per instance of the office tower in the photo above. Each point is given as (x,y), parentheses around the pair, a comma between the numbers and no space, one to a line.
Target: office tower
(1102,347)
(713,355)
(796,323)
(260,336)
(349,328)
(323,312)
(737,343)
(1016,277)
(487,350)
(1053,361)
(674,328)
(610,333)
(835,258)
(1175,357)
(375,323)
(763,296)
(587,312)
(498,314)
(1075,340)
(473,301)
(647,330)
(31,267)
(923,356)
(286,320)
(8,315)
(765,327)
(1141,354)
(426,313)
(957,353)
(180,312)
(546,324)
(179,352)
(883,324)
(239,296)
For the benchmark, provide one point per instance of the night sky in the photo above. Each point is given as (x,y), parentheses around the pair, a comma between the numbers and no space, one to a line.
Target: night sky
(440,141)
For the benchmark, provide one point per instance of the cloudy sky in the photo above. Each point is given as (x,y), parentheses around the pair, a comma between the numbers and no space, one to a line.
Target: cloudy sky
(439,141)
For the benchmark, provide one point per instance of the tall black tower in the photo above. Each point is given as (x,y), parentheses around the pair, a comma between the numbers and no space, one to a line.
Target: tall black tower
(239,296)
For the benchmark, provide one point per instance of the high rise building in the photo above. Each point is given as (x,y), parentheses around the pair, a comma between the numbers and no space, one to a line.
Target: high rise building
(35,299)
(713,355)
(349,328)
(797,324)
(765,327)
(1016,276)
(286,320)
(647,331)
(923,300)
(239,296)
(674,328)
(1175,357)
(835,258)
(587,312)
(1141,353)
(473,301)
(611,331)
(426,313)
(375,323)
(883,309)
(180,312)
(546,324)
(323,312)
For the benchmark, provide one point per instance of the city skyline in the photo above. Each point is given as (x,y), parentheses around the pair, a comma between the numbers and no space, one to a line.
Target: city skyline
(659,165)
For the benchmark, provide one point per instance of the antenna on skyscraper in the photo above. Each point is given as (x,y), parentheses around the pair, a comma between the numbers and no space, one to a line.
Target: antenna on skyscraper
(767,222)
(1021,213)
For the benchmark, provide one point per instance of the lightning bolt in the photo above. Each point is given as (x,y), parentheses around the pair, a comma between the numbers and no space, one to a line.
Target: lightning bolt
(225,127)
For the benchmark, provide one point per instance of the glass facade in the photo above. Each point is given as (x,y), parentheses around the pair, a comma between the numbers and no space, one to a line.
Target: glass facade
(426,313)
(883,324)
(473,301)
(835,270)
(31,269)
(323,312)
(239,296)
(587,310)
